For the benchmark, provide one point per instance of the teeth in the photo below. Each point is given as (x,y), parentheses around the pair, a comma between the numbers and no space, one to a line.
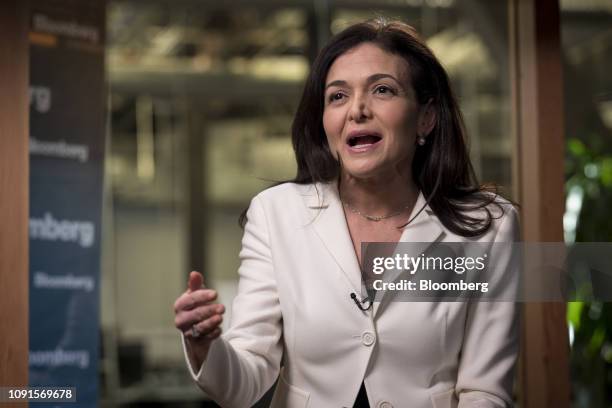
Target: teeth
(363,144)
(364,140)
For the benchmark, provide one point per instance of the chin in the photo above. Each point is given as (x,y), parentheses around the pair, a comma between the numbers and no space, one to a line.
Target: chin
(362,172)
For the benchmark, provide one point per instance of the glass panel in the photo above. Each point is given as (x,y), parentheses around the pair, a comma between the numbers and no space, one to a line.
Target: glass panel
(201,102)
(586,29)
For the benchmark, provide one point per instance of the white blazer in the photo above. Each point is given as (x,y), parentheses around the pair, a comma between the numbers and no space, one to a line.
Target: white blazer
(293,309)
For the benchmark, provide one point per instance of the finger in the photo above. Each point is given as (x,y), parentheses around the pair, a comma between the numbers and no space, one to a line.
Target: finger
(190,300)
(186,319)
(195,281)
(204,328)
(214,334)
(210,324)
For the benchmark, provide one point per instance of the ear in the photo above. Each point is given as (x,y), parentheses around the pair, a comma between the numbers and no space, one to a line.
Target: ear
(427,118)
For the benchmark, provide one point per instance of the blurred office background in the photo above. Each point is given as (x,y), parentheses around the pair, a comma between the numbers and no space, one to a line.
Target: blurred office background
(201,98)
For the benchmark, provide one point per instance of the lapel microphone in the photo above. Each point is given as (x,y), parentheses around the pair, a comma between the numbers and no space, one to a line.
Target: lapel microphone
(360,303)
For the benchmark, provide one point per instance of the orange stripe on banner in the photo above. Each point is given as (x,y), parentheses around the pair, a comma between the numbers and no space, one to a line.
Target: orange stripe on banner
(46,40)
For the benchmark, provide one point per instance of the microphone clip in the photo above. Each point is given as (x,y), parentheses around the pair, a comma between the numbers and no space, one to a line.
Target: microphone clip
(360,303)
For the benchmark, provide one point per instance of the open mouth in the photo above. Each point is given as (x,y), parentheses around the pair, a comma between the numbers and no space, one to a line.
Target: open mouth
(363,140)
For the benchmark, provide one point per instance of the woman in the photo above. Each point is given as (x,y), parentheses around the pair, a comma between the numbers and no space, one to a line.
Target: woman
(381,156)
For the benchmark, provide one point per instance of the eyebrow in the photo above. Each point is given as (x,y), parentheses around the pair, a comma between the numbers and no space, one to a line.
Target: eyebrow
(370,79)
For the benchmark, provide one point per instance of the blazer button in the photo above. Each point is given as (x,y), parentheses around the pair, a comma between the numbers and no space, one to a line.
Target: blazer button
(368,338)
(384,404)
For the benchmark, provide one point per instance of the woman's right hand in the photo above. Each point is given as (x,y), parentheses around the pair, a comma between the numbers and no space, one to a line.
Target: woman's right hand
(198,318)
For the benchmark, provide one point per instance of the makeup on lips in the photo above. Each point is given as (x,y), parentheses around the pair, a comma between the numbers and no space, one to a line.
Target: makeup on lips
(362,141)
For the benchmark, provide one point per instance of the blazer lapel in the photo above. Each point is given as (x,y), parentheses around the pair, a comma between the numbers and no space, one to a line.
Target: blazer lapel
(425,229)
(330,226)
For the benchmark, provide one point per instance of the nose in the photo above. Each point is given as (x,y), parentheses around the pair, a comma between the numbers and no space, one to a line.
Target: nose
(359,110)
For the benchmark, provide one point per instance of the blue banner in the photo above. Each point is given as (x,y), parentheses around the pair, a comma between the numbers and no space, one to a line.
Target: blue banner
(67,105)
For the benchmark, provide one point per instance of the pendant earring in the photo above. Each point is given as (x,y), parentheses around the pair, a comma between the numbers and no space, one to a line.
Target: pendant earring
(421,140)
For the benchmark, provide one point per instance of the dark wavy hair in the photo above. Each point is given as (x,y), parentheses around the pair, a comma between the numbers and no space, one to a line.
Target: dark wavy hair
(441,168)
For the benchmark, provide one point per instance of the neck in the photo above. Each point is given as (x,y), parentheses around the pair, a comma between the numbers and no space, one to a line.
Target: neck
(378,195)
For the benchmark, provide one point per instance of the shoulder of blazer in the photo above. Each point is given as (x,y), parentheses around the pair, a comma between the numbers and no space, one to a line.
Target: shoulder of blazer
(504,223)
(311,195)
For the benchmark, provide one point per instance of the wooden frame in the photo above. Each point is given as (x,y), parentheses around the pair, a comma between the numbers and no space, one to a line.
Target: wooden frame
(14,182)
(537,96)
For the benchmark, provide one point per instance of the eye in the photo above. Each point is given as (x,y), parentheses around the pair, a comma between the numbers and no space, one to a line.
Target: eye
(384,90)
(336,96)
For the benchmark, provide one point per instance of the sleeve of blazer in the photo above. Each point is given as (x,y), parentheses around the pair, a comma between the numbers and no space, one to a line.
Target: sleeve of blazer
(244,362)
(490,345)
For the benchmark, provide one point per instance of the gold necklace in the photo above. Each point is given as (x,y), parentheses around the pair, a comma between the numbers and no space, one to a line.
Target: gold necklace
(375,218)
